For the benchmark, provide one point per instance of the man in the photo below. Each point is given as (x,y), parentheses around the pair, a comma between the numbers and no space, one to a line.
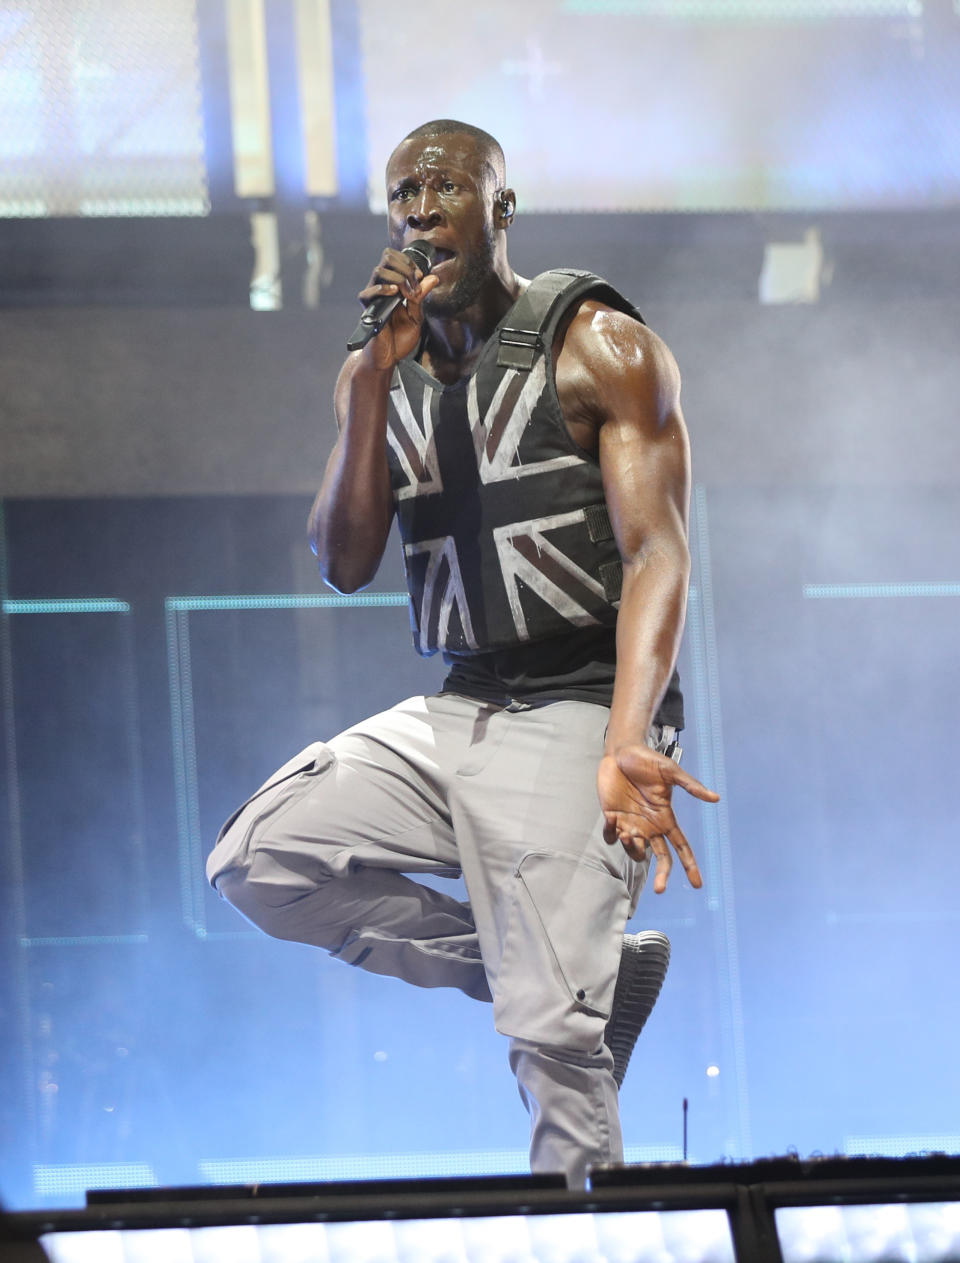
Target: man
(529,438)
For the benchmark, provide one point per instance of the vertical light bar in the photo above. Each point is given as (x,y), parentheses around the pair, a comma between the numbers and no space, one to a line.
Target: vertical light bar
(701,625)
(315,70)
(253,173)
(249,99)
(24,1018)
(186,783)
(266,288)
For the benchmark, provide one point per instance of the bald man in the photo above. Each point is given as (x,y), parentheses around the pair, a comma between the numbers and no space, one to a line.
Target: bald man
(528,438)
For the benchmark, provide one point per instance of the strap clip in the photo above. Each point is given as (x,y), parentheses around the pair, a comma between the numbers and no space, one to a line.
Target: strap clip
(611,576)
(518,348)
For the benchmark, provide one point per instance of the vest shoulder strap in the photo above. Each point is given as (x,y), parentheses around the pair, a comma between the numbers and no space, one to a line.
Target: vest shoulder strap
(540,306)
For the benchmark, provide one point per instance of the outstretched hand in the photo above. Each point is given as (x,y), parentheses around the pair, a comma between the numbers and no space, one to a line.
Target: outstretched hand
(635,788)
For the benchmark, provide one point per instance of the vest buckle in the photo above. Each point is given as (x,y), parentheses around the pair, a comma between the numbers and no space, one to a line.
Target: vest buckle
(518,349)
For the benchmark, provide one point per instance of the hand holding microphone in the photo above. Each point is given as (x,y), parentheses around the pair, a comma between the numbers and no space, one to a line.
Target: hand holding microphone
(395,273)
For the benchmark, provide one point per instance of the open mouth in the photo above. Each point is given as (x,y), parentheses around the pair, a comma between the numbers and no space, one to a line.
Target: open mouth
(442,256)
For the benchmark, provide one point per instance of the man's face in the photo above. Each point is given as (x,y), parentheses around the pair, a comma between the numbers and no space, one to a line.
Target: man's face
(442,189)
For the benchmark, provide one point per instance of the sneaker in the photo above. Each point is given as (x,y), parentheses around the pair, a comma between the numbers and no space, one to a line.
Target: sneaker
(643,966)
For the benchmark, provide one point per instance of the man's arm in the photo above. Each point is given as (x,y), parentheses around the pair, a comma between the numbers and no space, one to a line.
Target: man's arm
(627,380)
(352,513)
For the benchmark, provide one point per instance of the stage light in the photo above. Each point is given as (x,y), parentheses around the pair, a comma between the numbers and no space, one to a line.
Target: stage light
(793,272)
(779,1210)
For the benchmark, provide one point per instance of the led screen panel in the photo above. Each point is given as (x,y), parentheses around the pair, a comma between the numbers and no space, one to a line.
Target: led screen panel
(682,1236)
(685,105)
(100,110)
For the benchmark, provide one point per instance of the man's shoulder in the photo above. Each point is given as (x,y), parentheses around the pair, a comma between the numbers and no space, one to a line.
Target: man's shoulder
(596,331)
(606,364)
(561,298)
(603,319)
(576,285)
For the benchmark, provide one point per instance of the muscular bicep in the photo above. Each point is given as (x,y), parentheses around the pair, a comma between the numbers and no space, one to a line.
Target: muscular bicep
(645,464)
(628,383)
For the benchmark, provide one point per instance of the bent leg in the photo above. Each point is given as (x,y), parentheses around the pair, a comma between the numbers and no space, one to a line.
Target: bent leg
(319,855)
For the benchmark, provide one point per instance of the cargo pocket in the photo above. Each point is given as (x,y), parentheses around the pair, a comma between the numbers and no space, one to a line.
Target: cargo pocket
(232,847)
(561,950)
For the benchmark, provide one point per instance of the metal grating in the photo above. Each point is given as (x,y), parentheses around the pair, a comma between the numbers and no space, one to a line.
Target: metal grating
(384,1166)
(74,1179)
(100,110)
(901,1146)
(750,10)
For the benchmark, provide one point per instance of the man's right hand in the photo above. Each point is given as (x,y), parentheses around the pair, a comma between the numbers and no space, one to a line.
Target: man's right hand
(636,787)
(396,273)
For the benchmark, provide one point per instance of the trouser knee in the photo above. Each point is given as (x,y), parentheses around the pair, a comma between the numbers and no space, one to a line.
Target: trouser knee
(280,908)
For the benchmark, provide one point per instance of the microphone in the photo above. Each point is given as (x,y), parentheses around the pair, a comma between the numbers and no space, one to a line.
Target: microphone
(379,310)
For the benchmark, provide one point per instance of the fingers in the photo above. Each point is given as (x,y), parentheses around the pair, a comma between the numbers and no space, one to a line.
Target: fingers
(610,830)
(635,842)
(413,290)
(664,859)
(636,848)
(686,857)
(643,763)
(396,272)
(692,785)
(664,864)
(415,298)
(381,285)
(622,831)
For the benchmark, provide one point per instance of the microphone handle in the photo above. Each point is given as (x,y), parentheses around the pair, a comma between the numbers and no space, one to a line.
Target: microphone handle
(375,316)
(379,310)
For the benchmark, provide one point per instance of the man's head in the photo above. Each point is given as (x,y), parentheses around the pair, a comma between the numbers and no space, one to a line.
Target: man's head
(446,182)
(487,147)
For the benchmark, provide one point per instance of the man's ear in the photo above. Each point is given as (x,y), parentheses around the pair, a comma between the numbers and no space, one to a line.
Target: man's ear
(506,206)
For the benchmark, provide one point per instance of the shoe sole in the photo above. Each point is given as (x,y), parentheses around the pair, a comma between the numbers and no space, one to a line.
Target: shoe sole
(644,959)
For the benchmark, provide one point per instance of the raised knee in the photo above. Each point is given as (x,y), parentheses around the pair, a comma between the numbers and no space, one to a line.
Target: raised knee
(237,888)
(272,899)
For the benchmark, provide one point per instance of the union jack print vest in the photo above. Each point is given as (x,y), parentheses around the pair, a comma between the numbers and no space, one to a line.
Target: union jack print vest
(505,530)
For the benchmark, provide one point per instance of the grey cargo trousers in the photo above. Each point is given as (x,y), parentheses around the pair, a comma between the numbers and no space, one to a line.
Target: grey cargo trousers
(505,795)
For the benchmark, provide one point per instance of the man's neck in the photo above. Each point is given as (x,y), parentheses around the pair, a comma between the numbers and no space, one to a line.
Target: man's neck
(454,343)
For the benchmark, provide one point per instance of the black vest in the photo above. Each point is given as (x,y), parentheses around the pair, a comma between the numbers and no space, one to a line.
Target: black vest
(506,535)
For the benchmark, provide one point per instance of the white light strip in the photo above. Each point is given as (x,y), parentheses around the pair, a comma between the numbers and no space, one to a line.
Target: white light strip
(396,1166)
(841,591)
(73,1178)
(315,71)
(749,10)
(641,1236)
(250,99)
(899,1146)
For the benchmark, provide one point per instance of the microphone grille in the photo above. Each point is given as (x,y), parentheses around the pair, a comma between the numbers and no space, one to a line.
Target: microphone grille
(423,252)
